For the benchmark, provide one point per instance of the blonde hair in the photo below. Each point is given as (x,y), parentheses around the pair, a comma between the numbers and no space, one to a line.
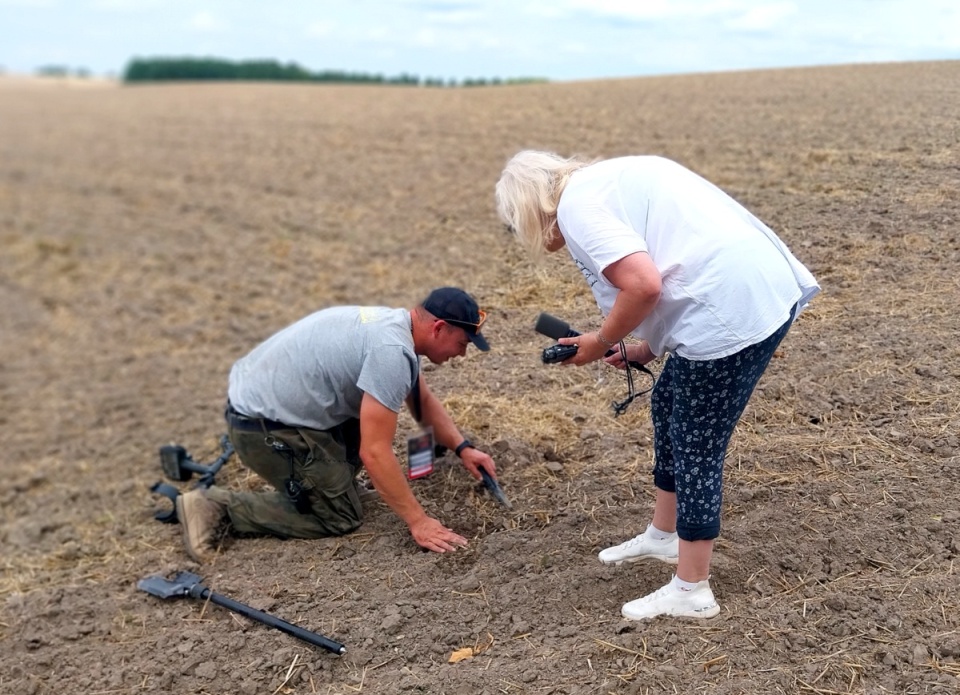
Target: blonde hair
(528,194)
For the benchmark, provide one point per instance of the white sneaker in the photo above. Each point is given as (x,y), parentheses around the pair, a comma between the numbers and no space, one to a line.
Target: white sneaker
(669,600)
(642,547)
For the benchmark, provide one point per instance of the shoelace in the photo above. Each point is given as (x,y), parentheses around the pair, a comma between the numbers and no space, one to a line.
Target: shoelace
(633,541)
(643,536)
(658,594)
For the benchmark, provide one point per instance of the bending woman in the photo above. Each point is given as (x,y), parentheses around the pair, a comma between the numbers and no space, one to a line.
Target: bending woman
(674,261)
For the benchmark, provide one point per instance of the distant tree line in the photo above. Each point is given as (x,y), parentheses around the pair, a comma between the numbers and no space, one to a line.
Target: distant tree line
(62,71)
(218,69)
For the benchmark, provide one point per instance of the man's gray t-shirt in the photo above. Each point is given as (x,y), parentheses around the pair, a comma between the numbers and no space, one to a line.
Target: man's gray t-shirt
(314,373)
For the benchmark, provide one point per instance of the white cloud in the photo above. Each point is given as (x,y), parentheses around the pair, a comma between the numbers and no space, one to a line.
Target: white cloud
(125,5)
(425,37)
(442,5)
(647,10)
(205,22)
(545,10)
(491,42)
(31,4)
(762,17)
(575,47)
(460,16)
(321,29)
(378,34)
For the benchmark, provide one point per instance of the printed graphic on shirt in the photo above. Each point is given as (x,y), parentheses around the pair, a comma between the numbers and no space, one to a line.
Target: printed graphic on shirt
(369,314)
(587,273)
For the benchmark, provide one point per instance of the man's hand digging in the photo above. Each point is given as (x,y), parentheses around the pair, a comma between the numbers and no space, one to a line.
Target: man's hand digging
(432,535)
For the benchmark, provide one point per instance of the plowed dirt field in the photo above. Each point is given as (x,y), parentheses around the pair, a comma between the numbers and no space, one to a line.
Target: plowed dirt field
(151,235)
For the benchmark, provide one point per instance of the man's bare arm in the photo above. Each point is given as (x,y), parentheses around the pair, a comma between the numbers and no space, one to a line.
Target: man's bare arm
(446,433)
(378,426)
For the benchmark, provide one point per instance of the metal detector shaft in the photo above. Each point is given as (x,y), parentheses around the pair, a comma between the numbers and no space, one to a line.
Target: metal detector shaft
(267,619)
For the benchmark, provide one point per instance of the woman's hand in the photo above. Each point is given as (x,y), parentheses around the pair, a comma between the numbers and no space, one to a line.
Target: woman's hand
(634,353)
(589,349)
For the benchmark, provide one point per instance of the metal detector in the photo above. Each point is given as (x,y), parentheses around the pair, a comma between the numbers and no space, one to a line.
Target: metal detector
(178,465)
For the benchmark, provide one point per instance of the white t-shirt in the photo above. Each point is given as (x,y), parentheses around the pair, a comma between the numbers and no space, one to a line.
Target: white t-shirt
(314,373)
(728,281)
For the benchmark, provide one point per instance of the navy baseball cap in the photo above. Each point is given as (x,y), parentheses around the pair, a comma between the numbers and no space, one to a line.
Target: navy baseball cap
(453,305)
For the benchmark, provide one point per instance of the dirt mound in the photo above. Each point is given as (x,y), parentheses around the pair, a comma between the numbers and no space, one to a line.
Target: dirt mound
(152,235)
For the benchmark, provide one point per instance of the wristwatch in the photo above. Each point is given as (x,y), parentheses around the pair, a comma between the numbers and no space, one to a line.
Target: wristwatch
(465,444)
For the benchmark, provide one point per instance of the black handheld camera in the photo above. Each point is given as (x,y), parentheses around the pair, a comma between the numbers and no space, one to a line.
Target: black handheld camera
(558,353)
(552,327)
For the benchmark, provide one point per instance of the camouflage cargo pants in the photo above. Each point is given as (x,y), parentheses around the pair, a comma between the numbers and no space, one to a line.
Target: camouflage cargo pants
(324,463)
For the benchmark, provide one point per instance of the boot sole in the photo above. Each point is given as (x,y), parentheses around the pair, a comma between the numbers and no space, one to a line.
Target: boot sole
(184,532)
(669,559)
(702,614)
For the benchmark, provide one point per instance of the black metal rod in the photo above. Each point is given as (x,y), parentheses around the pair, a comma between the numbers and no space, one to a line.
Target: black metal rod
(267,619)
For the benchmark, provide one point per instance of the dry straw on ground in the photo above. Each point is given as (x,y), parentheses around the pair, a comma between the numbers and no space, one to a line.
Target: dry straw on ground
(152,235)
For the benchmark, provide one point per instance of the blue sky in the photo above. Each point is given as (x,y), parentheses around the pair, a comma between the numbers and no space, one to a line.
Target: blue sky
(457,39)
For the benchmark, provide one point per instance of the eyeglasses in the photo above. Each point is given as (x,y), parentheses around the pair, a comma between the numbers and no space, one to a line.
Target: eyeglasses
(476,326)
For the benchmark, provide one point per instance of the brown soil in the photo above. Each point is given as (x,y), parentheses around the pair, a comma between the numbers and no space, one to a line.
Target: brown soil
(152,235)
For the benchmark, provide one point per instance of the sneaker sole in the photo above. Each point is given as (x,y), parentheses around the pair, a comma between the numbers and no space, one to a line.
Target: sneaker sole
(184,533)
(669,559)
(701,614)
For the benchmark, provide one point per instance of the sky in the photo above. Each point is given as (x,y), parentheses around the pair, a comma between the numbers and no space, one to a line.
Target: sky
(560,40)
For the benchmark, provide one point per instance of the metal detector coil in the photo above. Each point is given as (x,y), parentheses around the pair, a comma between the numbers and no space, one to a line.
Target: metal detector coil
(179,466)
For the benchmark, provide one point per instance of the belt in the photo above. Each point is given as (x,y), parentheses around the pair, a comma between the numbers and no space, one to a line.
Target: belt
(239,421)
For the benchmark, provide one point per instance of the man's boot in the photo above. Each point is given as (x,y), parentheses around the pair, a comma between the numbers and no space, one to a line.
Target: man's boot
(200,521)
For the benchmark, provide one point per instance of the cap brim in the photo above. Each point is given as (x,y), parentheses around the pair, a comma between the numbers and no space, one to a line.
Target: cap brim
(479,341)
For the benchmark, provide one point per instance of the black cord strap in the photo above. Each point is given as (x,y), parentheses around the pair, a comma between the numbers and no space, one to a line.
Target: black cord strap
(619,408)
(415,394)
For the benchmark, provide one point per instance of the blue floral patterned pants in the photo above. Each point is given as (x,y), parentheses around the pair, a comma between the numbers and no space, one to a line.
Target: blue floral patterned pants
(695,407)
